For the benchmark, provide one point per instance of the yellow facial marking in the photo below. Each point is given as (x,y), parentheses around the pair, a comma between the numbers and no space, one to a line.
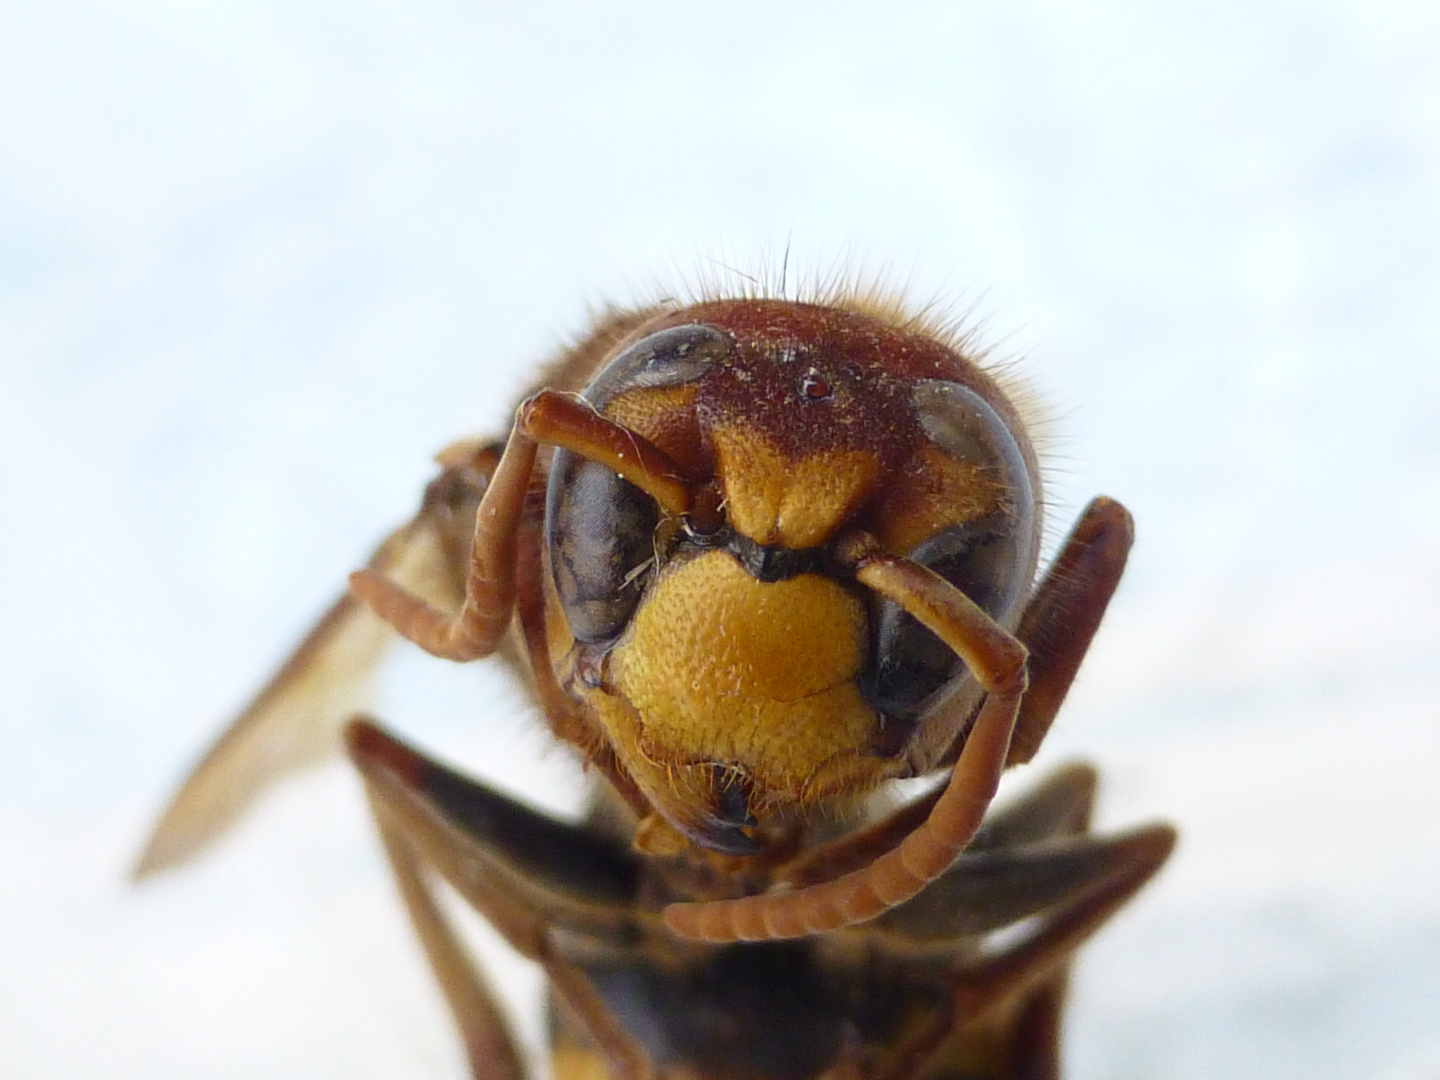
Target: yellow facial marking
(935,492)
(722,668)
(795,502)
(665,416)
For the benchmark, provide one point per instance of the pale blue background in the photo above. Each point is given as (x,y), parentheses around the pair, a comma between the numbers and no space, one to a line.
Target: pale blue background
(259,260)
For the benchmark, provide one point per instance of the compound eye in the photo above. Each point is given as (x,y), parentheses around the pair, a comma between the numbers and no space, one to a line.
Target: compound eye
(909,664)
(989,559)
(600,529)
(670,357)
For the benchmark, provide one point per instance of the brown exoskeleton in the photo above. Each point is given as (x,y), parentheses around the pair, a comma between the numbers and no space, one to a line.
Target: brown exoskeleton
(757,559)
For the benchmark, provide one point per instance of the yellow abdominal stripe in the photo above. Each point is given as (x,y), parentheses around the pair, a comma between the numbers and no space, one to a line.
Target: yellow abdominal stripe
(722,668)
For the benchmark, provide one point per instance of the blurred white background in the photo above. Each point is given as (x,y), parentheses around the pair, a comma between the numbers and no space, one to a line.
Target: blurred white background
(258,260)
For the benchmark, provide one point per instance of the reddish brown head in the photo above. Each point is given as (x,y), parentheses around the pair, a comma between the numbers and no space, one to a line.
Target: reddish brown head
(739,670)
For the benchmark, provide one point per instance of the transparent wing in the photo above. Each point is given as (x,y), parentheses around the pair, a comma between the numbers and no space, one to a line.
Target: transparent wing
(296,719)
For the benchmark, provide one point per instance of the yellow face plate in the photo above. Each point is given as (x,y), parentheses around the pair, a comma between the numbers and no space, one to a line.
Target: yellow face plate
(719,667)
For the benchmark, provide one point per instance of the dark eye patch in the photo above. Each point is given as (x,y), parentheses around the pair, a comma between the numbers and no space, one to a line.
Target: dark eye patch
(987,559)
(599,529)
